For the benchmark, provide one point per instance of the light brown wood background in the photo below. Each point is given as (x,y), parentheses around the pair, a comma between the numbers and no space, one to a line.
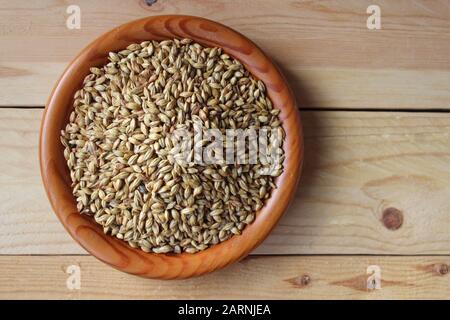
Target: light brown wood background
(376,183)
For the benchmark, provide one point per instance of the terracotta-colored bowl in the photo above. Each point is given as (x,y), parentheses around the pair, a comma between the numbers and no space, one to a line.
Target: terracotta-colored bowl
(55,173)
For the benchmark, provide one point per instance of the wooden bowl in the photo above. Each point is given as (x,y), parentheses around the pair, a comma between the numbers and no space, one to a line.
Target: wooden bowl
(55,173)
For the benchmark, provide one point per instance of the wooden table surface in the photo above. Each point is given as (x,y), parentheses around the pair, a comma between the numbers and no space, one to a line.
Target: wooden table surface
(375,188)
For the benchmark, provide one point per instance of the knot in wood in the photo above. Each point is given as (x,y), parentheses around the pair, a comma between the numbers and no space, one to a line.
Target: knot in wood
(392,218)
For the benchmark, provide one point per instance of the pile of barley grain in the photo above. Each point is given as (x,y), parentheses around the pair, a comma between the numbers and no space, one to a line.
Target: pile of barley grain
(117,146)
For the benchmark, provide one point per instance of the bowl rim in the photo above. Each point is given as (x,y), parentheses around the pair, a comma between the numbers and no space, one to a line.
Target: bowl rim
(118,253)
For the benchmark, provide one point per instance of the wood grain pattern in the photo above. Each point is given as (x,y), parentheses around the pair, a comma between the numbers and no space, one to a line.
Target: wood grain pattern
(44,277)
(323,46)
(56,177)
(27,223)
(357,165)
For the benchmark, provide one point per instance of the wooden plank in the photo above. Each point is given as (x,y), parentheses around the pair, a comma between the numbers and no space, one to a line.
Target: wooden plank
(373,183)
(324,47)
(306,277)
(27,222)
(27,83)
(313,87)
